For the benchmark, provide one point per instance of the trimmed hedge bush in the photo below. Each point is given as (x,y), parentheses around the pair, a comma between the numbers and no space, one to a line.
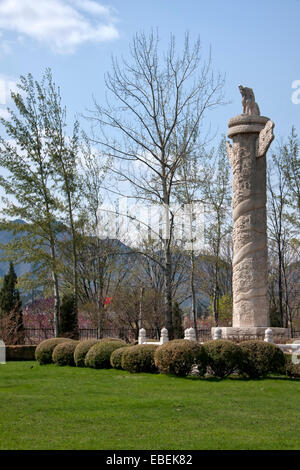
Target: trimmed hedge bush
(63,353)
(81,351)
(44,350)
(179,356)
(139,358)
(98,356)
(261,358)
(291,369)
(116,357)
(20,352)
(223,357)
(105,340)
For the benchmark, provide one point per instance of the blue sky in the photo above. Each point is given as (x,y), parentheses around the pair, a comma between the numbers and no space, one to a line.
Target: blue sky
(254,43)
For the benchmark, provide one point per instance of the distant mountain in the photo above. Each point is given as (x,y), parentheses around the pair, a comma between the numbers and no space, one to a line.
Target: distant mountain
(21,268)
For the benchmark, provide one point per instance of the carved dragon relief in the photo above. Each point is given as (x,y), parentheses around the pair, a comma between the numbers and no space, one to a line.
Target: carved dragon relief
(265,139)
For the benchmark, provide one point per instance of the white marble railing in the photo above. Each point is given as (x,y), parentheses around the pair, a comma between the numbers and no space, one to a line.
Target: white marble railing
(2,352)
(293,347)
(164,338)
(190,334)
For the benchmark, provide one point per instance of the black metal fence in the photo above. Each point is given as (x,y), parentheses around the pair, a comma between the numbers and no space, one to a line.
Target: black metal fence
(204,334)
(36,335)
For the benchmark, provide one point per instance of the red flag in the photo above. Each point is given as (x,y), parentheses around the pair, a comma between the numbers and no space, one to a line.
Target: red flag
(107,300)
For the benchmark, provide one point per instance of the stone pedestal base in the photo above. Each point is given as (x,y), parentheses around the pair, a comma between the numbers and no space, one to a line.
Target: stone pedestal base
(244,333)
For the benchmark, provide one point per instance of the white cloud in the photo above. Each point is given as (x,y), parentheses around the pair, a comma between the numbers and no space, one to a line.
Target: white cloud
(60,24)
(91,6)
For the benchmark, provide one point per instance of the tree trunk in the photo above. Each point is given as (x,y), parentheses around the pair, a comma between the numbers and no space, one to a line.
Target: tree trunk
(56,304)
(99,308)
(280,293)
(194,313)
(168,291)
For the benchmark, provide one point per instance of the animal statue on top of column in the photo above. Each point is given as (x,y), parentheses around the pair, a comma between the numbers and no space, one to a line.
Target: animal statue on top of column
(248,101)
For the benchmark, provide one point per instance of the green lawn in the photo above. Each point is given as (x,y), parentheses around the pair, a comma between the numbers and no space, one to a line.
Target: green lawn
(51,407)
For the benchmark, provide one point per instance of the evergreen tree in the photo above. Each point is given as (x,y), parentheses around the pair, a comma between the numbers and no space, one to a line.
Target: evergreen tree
(177,321)
(9,294)
(11,309)
(68,318)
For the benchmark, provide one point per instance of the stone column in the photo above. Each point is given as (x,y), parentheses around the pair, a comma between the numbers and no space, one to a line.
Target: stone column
(251,136)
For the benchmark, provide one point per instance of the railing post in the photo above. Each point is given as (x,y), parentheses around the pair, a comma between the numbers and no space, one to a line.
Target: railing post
(269,336)
(2,352)
(217,333)
(142,336)
(190,334)
(164,337)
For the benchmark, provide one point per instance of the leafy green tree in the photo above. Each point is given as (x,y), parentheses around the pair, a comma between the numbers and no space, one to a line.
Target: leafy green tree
(225,310)
(64,155)
(33,137)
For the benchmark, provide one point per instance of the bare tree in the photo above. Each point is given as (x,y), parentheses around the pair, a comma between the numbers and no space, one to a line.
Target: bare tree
(156,107)
(97,263)
(282,222)
(217,195)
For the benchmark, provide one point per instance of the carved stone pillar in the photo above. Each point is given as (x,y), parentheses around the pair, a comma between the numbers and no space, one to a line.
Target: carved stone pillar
(251,137)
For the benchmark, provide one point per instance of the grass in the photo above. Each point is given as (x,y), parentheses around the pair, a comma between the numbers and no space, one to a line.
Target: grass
(51,407)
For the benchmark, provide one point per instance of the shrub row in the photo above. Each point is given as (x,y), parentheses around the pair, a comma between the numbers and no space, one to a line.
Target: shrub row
(252,358)
(220,358)
(65,351)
